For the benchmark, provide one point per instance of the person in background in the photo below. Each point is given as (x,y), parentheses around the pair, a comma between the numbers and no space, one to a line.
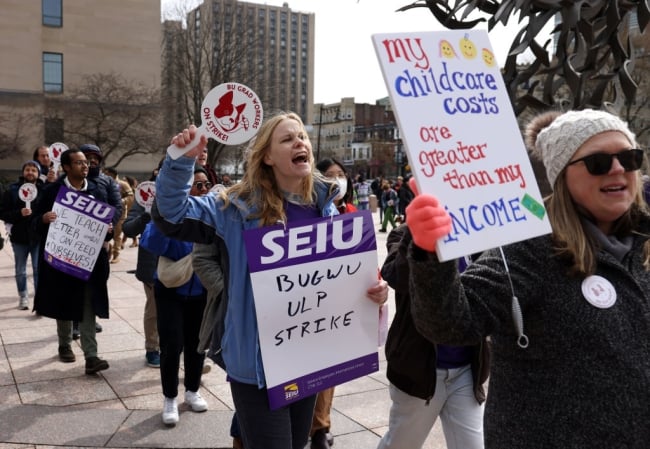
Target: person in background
(226,181)
(179,311)
(363,193)
(210,263)
(46,167)
(134,225)
(405,196)
(375,186)
(279,185)
(321,437)
(15,213)
(428,380)
(390,203)
(60,295)
(133,183)
(202,161)
(126,195)
(567,312)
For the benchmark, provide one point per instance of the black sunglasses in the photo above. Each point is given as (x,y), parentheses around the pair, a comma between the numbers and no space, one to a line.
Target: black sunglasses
(601,163)
(200,184)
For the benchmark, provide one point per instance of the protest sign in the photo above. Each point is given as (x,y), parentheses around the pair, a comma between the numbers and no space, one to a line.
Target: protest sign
(462,138)
(231,114)
(75,238)
(309,282)
(145,193)
(28,193)
(55,151)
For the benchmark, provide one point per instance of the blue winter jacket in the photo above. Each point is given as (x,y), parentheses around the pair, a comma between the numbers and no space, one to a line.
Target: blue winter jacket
(197,219)
(159,244)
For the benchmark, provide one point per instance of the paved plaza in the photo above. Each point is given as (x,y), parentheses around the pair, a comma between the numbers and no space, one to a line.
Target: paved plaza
(46,403)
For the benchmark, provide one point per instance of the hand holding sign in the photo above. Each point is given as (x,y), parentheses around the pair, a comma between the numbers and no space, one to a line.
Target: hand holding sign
(27,193)
(231,114)
(427,219)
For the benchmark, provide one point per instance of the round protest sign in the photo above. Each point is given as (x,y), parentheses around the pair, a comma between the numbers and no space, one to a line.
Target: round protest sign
(56,150)
(27,193)
(145,193)
(231,113)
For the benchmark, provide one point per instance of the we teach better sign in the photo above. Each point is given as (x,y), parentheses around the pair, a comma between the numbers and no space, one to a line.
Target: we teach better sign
(310,281)
(462,138)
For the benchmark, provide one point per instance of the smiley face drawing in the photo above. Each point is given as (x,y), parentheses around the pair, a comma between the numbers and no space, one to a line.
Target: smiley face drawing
(488,57)
(447,50)
(467,47)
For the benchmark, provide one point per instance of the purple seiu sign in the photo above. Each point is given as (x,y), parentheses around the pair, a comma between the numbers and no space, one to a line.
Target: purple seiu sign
(310,280)
(75,238)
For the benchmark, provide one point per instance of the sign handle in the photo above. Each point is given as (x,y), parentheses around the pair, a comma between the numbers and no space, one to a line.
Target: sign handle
(176,152)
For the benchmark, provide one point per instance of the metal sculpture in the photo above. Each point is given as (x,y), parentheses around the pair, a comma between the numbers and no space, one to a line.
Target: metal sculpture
(590,56)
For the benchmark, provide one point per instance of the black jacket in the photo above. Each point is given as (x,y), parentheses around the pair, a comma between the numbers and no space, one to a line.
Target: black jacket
(58,294)
(134,224)
(411,357)
(10,208)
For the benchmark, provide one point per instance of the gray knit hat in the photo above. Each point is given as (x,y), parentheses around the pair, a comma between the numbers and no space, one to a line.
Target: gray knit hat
(559,141)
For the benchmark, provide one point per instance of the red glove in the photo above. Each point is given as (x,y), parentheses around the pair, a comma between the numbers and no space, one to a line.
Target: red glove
(427,219)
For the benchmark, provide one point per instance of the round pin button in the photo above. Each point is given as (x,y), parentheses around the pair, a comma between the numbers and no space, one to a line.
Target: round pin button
(599,292)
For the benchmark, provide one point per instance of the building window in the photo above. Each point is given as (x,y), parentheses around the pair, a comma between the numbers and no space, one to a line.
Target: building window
(53,72)
(54,130)
(52,13)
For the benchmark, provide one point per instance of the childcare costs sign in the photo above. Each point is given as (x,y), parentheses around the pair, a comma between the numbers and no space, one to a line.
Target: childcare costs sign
(309,282)
(462,139)
(75,238)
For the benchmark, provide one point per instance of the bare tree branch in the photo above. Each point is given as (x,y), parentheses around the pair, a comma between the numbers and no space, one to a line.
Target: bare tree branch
(123,118)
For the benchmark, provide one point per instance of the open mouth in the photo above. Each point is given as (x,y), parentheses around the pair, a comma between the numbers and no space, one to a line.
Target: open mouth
(300,159)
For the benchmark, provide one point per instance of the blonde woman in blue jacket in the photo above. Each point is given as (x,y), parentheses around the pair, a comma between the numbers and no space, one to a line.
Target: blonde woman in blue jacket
(279,185)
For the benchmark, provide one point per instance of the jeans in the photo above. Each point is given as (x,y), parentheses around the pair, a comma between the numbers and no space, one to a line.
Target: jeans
(21,252)
(411,419)
(263,428)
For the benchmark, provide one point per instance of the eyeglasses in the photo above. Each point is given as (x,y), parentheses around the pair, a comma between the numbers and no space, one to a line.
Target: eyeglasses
(84,163)
(601,163)
(201,184)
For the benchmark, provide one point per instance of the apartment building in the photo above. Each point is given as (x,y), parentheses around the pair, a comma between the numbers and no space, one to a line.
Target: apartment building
(268,48)
(47,46)
(364,137)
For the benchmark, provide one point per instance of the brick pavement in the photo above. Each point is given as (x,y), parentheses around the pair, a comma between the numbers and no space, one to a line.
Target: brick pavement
(46,403)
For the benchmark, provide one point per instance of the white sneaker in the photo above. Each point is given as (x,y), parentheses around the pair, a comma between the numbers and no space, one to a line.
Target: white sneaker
(195,401)
(23,303)
(170,412)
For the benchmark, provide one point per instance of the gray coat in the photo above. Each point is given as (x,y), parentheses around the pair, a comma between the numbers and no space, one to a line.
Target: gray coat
(211,265)
(584,380)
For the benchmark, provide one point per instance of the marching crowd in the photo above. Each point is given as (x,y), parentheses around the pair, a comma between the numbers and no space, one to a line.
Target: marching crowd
(578,378)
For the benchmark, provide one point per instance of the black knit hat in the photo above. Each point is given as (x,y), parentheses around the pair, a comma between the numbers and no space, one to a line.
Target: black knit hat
(90,148)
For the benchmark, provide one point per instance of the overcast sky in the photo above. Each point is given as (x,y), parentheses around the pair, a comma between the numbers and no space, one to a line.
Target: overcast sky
(346,64)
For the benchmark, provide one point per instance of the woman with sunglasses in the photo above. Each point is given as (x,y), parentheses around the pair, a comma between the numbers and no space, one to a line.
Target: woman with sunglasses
(571,364)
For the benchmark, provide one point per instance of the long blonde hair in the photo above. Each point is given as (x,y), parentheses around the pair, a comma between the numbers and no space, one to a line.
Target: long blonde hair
(259,188)
(569,236)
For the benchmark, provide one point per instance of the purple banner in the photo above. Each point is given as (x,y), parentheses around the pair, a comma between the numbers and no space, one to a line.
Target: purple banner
(75,238)
(309,240)
(312,383)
